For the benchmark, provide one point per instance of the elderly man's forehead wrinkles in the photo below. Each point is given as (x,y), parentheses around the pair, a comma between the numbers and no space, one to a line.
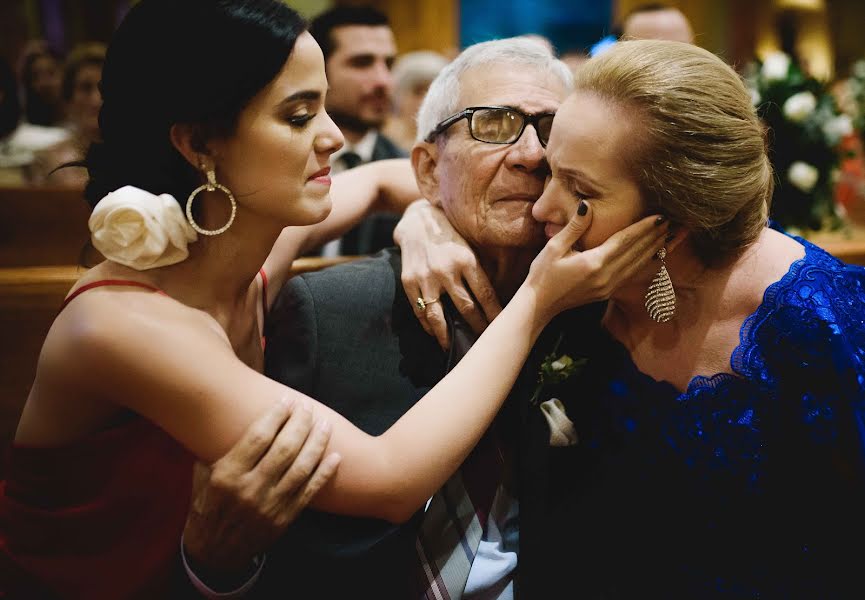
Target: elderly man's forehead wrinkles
(504,85)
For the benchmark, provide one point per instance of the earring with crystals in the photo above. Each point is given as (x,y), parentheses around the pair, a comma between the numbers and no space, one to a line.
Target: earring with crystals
(210,186)
(661,297)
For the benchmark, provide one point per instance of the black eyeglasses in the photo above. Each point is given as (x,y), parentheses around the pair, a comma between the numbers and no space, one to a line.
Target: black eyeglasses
(498,124)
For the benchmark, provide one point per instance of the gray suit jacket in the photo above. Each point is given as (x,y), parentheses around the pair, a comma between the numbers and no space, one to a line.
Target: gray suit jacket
(348,337)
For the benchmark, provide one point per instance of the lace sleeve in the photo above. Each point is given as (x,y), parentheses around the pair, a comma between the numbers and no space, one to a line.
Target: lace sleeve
(812,349)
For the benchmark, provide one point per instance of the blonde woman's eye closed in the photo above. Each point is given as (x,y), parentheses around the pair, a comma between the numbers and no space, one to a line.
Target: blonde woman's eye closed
(579,195)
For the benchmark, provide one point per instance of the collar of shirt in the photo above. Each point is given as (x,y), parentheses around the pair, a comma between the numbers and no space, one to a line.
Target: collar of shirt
(362,148)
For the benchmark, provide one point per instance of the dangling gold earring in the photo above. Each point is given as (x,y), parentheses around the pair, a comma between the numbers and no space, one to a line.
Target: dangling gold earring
(210,186)
(661,297)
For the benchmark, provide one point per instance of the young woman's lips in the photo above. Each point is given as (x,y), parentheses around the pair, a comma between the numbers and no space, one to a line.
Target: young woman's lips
(322,177)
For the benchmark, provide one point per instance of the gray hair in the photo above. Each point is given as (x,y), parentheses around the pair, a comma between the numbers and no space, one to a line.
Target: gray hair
(417,67)
(444,92)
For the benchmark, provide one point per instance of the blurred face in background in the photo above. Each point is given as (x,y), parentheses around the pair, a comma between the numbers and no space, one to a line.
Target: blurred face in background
(45,78)
(85,102)
(359,75)
(409,99)
(668,24)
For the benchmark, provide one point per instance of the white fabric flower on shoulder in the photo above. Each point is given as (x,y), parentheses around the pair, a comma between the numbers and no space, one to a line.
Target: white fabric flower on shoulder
(141,230)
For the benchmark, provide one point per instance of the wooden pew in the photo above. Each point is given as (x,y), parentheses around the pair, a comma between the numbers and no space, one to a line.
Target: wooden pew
(42,235)
(44,226)
(29,299)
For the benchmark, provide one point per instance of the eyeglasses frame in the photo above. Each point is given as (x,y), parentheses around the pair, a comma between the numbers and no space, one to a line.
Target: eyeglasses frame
(468,113)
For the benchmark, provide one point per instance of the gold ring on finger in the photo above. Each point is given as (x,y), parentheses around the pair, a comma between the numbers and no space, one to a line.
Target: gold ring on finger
(422,304)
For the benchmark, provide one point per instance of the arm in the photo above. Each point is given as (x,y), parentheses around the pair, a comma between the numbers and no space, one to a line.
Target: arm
(437,260)
(381,186)
(390,476)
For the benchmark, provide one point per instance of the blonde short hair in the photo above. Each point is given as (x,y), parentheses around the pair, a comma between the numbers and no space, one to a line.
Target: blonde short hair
(701,152)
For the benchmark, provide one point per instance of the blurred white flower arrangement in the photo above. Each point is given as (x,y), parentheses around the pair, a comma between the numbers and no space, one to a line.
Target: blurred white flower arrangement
(806,127)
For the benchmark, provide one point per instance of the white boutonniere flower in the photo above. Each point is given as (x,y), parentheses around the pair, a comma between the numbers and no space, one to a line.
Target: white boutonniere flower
(562,430)
(554,369)
(141,230)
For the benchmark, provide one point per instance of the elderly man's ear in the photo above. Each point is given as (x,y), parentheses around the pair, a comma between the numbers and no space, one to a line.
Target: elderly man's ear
(424,159)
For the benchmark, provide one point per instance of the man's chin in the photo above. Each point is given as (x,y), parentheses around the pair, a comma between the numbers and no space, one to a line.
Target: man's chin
(374,121)
(520,240)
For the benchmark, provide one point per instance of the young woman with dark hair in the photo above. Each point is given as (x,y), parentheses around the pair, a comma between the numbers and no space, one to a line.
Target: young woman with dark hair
(214,132)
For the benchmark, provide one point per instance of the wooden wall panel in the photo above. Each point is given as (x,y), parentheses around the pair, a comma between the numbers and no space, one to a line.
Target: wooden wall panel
(420,24)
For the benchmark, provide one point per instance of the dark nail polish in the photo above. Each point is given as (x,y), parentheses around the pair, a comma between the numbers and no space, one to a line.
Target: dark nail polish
(670,237)
(583,208)
(660,220)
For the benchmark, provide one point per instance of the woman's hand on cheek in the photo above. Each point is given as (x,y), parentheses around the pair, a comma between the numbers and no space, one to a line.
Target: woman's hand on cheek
(565,278)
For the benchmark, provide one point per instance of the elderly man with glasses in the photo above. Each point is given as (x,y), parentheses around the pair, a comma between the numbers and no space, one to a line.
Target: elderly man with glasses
(354,338)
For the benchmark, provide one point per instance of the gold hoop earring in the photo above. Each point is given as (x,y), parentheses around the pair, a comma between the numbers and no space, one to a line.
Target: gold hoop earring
(210,186)
(661,297)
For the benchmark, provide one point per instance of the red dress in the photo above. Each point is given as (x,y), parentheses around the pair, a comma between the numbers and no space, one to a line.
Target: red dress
(98,518)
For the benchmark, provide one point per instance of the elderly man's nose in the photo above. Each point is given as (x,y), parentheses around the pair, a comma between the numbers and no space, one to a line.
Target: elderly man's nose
(527,152)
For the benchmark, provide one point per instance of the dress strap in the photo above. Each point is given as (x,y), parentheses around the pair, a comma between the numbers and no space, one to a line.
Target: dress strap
(263,303)
(263,291)
(108,282)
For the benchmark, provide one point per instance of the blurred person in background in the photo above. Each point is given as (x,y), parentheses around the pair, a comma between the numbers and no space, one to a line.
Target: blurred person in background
(574,59)
(41,82)
(359,52)
(412,75)
(657,21)
(81,76)
(19,141)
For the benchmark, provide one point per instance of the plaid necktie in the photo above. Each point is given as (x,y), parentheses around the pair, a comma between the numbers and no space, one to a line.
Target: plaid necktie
(457,515)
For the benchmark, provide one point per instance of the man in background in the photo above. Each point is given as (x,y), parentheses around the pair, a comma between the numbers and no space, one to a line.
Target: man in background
(657,21)
(359,51)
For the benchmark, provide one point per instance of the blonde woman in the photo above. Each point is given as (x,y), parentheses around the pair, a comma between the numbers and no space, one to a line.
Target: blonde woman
(722,420)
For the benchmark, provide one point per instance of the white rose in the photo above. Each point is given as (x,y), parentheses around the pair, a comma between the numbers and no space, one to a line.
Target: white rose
(775,67)
(140,230)
(803,176)
(562,430)
(799,106)
(837,129)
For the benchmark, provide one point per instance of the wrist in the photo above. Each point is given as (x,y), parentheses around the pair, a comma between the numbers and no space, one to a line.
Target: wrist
(220,579)
(539,315)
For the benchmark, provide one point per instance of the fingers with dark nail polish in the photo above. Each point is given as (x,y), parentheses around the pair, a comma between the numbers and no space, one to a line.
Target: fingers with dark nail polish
(583,208)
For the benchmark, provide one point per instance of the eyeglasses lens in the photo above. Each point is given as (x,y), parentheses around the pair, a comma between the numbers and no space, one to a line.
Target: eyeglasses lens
(545,125)
(499,126)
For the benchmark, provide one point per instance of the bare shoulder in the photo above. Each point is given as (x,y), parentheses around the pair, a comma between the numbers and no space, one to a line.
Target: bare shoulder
(113,326)
(98,348)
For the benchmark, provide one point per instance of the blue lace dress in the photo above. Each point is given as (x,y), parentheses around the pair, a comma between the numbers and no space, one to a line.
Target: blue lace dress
(745,486)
